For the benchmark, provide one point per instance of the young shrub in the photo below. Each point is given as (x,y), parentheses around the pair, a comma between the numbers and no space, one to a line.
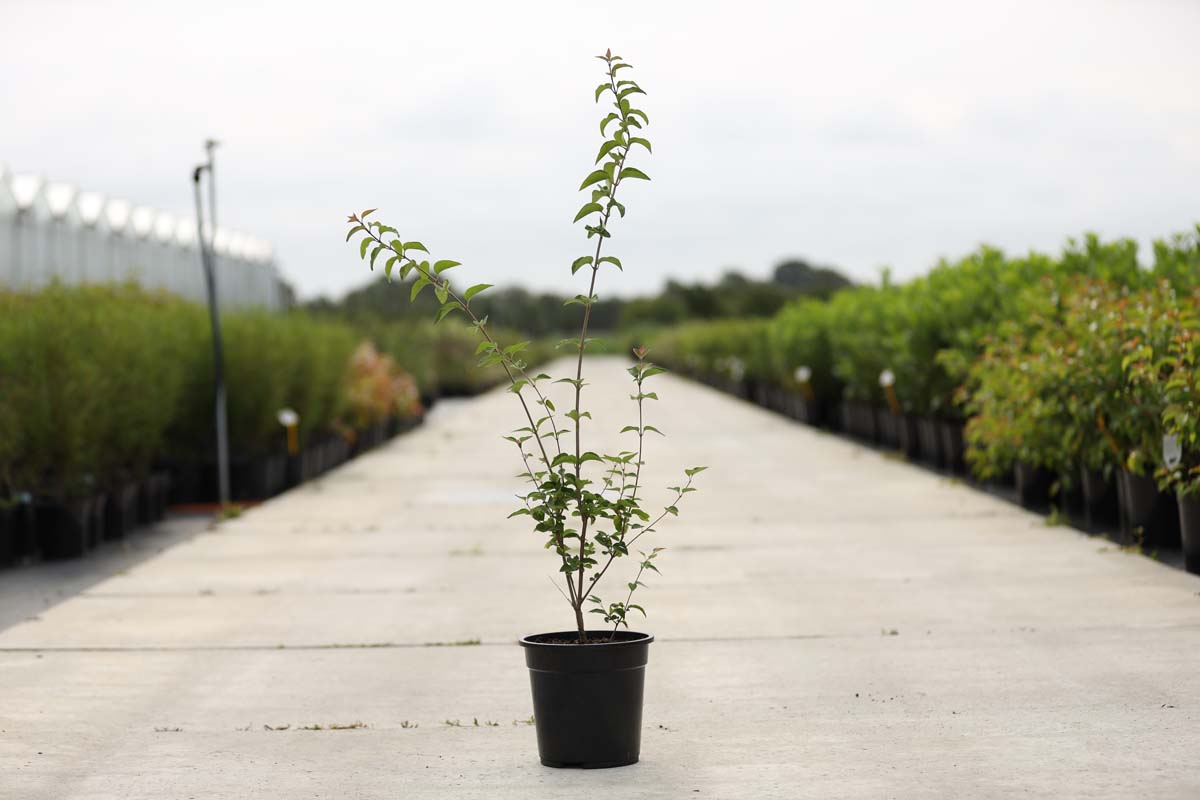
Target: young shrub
(1181,409)
(139,341)
(377,389)
(1177,260)
(586,505)
(798,337)
(1153,320)
(51,370)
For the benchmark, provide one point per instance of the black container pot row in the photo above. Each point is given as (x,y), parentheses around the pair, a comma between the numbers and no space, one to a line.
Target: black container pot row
(49,529)
(264,476)
(1144,515)
(57,529)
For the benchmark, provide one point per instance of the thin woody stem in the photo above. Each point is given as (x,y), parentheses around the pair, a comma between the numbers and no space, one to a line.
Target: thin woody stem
(587,316)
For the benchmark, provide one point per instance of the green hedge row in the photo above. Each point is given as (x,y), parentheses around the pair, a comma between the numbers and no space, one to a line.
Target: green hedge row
(1034,350)
(98,384)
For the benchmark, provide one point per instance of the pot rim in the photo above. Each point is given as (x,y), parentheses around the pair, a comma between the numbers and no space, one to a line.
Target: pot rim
(639,638)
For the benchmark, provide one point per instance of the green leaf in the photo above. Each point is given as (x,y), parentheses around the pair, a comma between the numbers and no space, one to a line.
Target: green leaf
(634,172)
(604,122)
(595,177)
(628,91)
(588,208)
(441,266)
(604,150)
(643,142)
(368,212)
(446,310)
(580,262)
(616,262)
(600,90)
(474,290)
(652,428)
(694,470)
(442,292)
(419,284)
(387,267)
(414,246)
(375,254)
(362,249)
(358,228)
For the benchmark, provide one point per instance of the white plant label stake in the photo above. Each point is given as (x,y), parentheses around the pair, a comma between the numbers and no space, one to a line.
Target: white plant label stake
(1172,454)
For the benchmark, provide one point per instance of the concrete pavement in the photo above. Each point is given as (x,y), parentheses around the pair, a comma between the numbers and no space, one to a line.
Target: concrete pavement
(830,622)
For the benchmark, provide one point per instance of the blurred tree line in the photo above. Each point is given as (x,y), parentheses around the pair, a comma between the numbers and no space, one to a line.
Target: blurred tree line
(543,314)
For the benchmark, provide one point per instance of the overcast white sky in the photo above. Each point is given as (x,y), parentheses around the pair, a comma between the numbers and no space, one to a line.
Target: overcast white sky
(858,134)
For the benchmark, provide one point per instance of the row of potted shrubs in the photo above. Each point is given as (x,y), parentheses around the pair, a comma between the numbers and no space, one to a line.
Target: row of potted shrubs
(1072,378)
(106,405)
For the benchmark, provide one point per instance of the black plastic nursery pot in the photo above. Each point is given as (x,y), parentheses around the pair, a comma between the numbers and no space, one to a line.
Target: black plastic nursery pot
(886,427)
(930,441)
(99,520)
(953,448)
(859,420)
(587,698)
(812,412)
(259,477)
(22,530)
(8,534)
(760,393)
(1147,514)
(1189,529)
(805,410)
(1099,497)
(907,438)
(156,489)
(122,511)
(64,529)
(1033,484)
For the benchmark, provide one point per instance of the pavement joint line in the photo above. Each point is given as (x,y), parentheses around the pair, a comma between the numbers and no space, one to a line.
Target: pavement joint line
(234,648)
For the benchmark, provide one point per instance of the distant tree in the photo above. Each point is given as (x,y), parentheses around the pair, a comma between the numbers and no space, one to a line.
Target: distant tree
(546,315)
(804,278)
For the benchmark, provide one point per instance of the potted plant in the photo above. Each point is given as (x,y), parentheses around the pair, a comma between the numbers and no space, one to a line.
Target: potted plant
(1155,318)
(1181,439)
(586,682)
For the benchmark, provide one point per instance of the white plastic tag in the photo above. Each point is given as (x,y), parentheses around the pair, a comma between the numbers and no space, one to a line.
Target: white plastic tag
(1171,452)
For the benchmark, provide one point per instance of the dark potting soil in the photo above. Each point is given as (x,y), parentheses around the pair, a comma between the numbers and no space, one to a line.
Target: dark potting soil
(594,637)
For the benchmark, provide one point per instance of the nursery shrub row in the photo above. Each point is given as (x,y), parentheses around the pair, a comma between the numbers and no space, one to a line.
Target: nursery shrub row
(1072,376)
(106,403)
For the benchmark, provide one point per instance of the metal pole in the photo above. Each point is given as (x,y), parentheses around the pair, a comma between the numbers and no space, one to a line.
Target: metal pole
(210,280)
